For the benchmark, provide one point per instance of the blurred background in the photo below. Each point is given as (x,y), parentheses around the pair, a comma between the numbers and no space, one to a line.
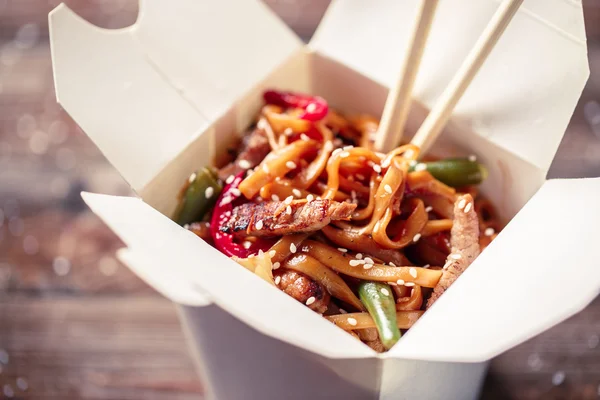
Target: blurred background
(75,323)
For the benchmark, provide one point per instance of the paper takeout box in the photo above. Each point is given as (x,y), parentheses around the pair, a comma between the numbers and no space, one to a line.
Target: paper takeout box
(164,97)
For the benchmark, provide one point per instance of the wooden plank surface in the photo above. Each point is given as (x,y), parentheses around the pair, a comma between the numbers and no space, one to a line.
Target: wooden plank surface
(76,324)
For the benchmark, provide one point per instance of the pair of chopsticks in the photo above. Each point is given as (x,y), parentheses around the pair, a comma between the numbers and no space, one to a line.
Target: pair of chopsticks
(398,101)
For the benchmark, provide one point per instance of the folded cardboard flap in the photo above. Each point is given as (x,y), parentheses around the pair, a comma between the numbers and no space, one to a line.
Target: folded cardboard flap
(523,97)
(165,79)
(176,257)
(540,270)
(104,82)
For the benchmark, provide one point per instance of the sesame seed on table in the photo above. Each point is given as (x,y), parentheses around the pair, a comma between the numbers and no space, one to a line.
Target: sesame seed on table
(76,324)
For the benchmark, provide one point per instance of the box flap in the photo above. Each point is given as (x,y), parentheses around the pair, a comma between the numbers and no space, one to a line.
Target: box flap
(184,267)
(540,270)
(162,81)
(542,53)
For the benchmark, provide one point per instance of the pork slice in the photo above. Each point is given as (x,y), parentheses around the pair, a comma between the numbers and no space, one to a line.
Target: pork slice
(302,288)
(464,243)
(277,218)
(255,147)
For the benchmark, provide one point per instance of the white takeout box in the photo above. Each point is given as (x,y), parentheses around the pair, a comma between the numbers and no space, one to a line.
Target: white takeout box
(161,98)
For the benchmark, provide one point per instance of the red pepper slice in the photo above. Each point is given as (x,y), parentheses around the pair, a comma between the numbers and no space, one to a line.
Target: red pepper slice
(225,242)
(315,107)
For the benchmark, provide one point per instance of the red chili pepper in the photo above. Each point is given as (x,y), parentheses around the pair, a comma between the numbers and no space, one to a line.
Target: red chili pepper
(225,242)
(315,107)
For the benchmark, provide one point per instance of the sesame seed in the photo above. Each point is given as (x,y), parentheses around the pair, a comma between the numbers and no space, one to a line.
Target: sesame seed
(468,207)
(192,178)
(386,163)
(368,266)
(259,225)
(447,265)
(420,167)
(304,137)
(336,151)
(416,237)
(244,164)
(342,311)
(277,280)
(289,199)
(388,188)
(369,260)
(360,177)
(461,204)
(455,256)
(288,210)
(385,292)
(226,200)
(186,226)
(428,209)
(260,252)
(288,131)
(489,231)
(235,191)
(412,163)
(409,284)
(229,179)
(354,263)
(392,283)
(344,154)
(290,164)
(209,192)
(293,248)
(311,107)
(413,272)
(377,168)
(408,153)
(274,197)
(426,266)
(359,256)
(310,197)
(276,265)
(305,249)
(297,192)
(392,264)
(265,168)
(400,282)
(472,158)
(272,253)
(247,244)
(352,321)
(347,147)
(328,146)
(310,300)
(343,250)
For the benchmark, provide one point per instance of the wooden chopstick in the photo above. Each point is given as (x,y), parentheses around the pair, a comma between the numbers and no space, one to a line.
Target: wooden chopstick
(442,110)
(398,101)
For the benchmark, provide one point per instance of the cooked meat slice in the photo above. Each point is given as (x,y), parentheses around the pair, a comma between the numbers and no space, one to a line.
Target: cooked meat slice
(302,288)
(464,242)
(276,218)
(376,345)
(255,147)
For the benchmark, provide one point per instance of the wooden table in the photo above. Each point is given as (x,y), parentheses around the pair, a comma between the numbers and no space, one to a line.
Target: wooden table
(74,323)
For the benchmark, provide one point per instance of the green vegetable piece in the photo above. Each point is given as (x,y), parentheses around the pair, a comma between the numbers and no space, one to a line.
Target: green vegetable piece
(379,301)
(198,197)
(455,172)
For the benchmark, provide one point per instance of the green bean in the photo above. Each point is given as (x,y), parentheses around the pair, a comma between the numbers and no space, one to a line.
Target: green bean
(379,302)
(197,197)
(455,172)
